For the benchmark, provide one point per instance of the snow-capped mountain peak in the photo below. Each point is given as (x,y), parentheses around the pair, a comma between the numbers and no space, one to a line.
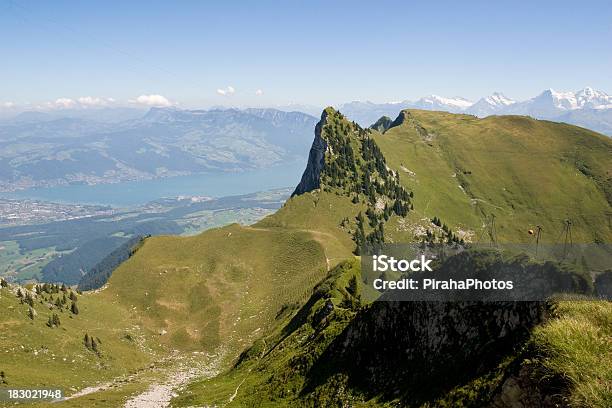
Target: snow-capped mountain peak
(490,104)
(560,100)
(587,107)
(454,104)
(591,98)
(587,98)
(498,99)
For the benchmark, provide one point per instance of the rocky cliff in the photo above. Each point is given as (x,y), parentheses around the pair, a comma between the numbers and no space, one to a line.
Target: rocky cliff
(311,178)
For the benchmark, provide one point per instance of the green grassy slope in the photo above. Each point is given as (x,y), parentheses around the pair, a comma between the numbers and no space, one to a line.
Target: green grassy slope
(321,213)
(34,354)
(272,373)
(214,292)
(222,286)
(524,171)
(575,348)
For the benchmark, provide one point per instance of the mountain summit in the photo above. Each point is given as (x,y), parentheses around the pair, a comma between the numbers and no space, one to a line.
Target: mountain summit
(587,107)
(490,104)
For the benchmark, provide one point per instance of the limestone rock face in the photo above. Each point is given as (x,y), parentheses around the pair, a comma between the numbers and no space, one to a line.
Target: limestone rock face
(311,178)
(382,124)
(426,348)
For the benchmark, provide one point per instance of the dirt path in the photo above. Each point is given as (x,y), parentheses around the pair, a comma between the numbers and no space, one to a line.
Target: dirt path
(164,378)
(235,394)
(160,393)
(91,390)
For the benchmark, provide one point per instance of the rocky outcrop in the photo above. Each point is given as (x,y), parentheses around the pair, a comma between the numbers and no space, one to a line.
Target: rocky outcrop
(311,179)
(382,124)
(522,390)
(401,118)
(427,347)
(418,352)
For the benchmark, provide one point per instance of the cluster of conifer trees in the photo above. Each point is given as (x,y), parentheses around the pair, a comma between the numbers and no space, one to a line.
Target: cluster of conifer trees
(371,242)
(448,236)
(355,165)
(65,298)
(54,320)
(91,343)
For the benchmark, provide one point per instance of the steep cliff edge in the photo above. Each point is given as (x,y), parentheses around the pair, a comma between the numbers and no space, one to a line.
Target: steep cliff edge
(311,178)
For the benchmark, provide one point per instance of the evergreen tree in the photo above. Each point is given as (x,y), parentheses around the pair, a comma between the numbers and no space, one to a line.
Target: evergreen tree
(28,299)
(54,321)
(352,286)
(74,308)
(87,341)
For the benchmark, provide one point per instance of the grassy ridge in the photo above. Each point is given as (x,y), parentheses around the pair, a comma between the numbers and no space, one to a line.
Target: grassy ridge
(223,289)
(227,283)
(524,171)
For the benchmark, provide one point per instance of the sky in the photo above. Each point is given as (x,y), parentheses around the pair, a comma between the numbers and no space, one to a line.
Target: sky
(238,53)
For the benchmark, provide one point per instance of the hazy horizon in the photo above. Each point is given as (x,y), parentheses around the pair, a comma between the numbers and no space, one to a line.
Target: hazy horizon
(72,54)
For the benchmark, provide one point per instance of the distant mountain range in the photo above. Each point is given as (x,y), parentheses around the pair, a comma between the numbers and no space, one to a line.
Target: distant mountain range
(588,108)
(45,149)
(72,146)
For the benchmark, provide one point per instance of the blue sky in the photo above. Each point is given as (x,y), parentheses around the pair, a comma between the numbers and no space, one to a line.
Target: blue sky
(311,52)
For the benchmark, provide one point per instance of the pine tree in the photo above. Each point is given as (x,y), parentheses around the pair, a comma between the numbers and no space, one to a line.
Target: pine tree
(352,287)
(31,313)
(74,308)
(87,341)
